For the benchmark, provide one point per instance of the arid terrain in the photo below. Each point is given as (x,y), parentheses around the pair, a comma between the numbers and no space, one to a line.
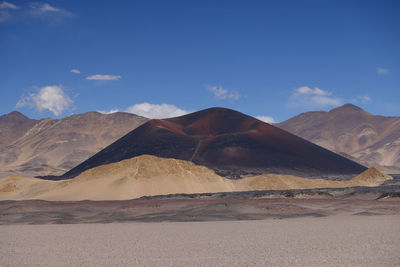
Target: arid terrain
(199,133)
(191,190)
(53,146)
(232,144)
(332,241)
(347,226)
(149,175)
(372,140)
(383,199)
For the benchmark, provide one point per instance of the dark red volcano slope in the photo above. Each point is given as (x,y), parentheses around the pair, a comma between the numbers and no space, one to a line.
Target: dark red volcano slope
(231,143)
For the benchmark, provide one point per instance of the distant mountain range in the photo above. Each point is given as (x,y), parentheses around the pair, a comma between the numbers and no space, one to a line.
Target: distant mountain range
(52,146)
(352,132)
(231,143)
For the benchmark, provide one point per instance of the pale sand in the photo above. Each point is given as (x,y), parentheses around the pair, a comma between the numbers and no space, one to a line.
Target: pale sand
(149,175)
(337,240)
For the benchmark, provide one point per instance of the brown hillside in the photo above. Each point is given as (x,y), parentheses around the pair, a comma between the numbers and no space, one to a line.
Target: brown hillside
(229,142)
(52,146)
(13,126)
(370,139)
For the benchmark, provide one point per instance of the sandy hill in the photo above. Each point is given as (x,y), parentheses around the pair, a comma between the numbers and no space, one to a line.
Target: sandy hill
(370,139)
(370,177)
(132,178)
(52,146)
(149,175)
(229,142)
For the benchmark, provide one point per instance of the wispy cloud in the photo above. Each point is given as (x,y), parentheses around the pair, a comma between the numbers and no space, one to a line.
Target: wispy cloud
(364,99)
(108,111)
(266,119)
(48,8)
(313,98)
(221,93)
(76,71)
(6,11)
(44,9)
(305,90)
(382,71)
(7,5)
(51,97)
(103,77)
(156,111)
(35,10)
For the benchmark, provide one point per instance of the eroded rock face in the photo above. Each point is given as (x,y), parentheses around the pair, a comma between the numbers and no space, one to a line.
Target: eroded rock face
(369,139)
(229,142)
(53,146)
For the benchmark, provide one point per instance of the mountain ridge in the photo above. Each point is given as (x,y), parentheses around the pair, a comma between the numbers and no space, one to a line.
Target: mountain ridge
(229,142)
(350,130)
(13,126)
(52,146)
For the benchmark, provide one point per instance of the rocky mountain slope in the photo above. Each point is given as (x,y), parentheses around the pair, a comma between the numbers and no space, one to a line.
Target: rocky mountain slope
(229,142)
(53,146)
(13,126)
(349,130)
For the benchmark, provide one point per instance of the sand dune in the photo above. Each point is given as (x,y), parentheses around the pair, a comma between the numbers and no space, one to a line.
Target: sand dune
(127,179)
(149,175)
(370,177)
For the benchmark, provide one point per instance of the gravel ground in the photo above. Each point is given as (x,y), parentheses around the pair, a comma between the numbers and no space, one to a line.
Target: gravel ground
(334,240)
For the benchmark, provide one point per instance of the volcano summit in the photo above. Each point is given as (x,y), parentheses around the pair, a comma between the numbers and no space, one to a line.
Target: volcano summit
(229,142)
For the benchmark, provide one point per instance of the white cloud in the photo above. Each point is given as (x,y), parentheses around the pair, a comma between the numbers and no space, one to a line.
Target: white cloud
(382,71)
(6,10)
(364,99)
(50,98)
(46,10)
(155,111)
(313,98)
(76,71)
(37,10)
(7,5)
(103,77)
(42,8)
(305,90)
(220,93)
(266,119)
(109,111)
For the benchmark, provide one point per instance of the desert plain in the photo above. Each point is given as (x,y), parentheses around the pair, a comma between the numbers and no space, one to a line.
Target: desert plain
(200,190)
(353,226)
(151,211)
(343,240)
(199,133)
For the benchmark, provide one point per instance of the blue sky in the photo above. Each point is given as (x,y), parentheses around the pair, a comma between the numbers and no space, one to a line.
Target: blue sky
(264,58)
